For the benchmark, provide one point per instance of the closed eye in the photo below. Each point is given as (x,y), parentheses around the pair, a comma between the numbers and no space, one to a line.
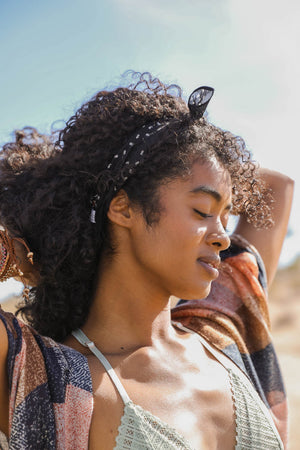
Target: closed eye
(205,216)
(202,214)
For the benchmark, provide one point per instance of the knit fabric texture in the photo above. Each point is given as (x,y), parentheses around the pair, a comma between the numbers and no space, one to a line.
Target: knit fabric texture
(254,429)
(141,430)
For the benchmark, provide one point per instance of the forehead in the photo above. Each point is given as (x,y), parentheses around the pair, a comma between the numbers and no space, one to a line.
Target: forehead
(205,179)
(211,174)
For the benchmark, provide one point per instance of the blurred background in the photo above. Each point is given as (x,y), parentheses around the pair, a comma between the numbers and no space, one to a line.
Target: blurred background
(56,55)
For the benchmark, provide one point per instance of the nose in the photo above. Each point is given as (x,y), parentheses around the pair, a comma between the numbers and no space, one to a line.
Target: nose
(219,239)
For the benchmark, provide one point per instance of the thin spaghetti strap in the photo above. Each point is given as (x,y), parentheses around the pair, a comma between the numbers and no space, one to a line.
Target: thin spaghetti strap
(84,340)
(222,358)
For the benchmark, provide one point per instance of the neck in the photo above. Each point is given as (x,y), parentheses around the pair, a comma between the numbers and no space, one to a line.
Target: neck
(128,311)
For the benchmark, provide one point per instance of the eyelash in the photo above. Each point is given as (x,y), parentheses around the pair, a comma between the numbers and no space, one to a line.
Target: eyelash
(205,216)
(201,214)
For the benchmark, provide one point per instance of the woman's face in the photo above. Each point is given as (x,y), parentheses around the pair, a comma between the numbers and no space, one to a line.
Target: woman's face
(180,253)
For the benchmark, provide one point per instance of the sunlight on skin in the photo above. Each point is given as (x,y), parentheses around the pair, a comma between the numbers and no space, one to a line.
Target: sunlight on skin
(185,417)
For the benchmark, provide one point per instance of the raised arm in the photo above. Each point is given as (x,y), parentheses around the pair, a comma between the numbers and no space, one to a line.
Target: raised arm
(269,242)
(3,380)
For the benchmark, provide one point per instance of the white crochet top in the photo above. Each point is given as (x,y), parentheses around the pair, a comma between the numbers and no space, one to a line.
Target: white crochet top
(141,430)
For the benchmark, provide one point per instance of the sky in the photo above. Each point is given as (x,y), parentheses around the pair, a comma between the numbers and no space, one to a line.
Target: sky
(56,55)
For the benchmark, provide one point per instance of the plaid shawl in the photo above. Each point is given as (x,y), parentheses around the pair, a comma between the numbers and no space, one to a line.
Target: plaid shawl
(51,398)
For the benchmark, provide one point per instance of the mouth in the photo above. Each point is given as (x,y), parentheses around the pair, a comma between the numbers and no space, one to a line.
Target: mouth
(210,265)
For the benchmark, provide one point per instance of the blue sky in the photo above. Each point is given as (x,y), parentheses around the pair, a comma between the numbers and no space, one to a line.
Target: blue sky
(55,55)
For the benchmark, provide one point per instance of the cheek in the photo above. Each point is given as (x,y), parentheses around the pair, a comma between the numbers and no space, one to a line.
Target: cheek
(187,232)
(200,232)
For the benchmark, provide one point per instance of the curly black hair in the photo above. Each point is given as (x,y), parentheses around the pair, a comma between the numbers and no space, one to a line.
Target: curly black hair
(46,188)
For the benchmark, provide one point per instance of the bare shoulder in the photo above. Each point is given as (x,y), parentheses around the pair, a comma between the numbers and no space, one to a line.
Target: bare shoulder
(108,407)
(3,346)
(3,379)
(3,334)
(104,427)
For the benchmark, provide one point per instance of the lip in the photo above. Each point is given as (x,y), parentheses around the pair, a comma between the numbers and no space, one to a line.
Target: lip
(211,265)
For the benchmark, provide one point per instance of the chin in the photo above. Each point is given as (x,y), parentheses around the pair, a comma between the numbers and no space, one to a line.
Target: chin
(197,294)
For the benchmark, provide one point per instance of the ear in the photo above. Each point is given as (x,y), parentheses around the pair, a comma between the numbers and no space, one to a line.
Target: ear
(120,210)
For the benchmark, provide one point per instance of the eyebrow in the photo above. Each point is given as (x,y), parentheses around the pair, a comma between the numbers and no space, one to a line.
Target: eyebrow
(207,190)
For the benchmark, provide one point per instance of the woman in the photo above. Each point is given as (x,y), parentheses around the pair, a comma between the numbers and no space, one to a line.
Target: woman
(131,208)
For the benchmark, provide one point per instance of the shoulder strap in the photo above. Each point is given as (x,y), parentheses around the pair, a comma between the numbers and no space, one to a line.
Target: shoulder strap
(233,368)
(84,340)
(221,357)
